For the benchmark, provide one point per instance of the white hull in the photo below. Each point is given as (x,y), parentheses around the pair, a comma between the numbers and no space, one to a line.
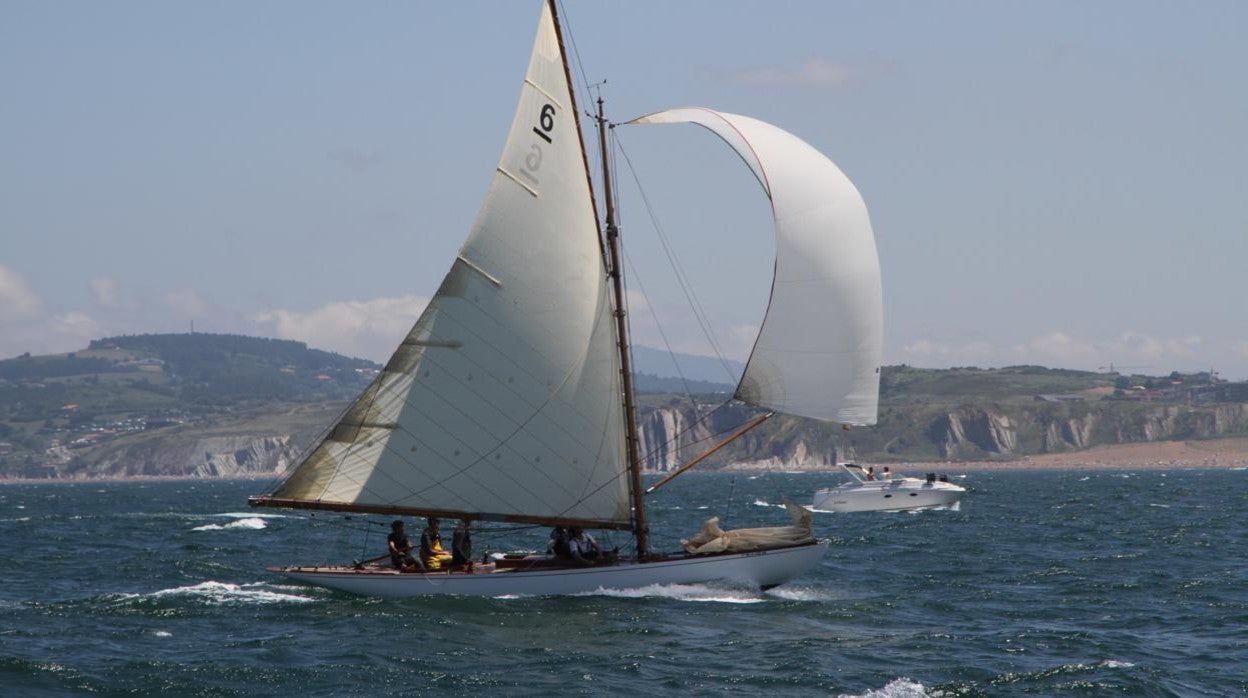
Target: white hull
(763,569)
(887,495)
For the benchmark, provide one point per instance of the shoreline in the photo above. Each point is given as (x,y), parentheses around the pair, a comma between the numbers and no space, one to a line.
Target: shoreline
(1213,454)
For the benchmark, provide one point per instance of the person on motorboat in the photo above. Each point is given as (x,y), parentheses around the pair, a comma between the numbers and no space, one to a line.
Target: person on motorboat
(887,474)
(870,472)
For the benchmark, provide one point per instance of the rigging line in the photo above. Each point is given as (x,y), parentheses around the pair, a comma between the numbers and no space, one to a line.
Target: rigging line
(682,277)
(632,270)
(633,274)
(580,67)
(678,269)
(567,24)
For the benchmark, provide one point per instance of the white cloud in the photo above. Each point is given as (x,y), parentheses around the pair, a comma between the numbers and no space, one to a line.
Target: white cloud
(104,291)
(17,298)
(1127,348)
(370,328)
(186,301)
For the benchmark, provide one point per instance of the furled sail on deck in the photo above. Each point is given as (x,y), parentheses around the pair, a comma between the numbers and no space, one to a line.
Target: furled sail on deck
(504,399)
(819,349)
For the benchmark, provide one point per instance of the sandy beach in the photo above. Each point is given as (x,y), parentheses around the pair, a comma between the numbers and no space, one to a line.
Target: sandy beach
(1160,455)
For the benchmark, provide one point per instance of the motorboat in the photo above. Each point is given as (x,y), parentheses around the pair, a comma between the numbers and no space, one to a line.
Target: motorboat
(868,491)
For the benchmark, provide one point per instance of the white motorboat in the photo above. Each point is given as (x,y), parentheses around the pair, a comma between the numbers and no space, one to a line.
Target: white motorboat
(867,492)
(511,399)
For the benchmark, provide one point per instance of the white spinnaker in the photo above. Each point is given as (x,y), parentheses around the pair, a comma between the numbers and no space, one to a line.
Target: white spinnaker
(819,350)
(504,399)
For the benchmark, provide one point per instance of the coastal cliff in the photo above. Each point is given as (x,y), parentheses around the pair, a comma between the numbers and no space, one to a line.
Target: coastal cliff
(996,432)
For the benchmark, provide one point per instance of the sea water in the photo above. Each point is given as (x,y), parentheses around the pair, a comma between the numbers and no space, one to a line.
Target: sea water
(1039,583)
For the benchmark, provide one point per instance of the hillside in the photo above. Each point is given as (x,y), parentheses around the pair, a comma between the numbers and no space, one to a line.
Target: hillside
(961,414)
(65,414)
(211,405)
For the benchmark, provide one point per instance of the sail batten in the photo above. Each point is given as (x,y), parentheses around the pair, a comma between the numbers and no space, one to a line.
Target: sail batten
(503,401)
(819,349)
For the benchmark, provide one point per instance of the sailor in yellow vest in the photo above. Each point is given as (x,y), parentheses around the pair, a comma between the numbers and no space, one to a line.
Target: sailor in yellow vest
(431,551)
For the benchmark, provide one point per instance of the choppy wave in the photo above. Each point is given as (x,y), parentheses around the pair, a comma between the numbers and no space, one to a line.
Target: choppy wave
(223,593)
(897,688)
(248,524)
(798,594)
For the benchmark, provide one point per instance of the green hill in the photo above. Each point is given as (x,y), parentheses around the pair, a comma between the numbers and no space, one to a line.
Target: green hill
(210,404)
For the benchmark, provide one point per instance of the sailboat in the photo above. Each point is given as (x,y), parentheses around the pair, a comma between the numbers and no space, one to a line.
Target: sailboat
(511,398)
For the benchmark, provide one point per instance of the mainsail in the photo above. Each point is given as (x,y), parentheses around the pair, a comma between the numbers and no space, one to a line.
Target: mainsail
(503,402)
(819,350)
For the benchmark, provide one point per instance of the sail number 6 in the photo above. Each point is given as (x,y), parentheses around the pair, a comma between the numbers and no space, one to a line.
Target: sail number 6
(545,124)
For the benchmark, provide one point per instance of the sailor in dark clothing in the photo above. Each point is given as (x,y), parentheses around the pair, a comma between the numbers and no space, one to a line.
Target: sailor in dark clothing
(461,543)
(558,543)
(400,546)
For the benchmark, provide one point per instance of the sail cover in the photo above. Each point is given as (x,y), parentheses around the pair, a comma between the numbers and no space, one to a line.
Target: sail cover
(505,397)
(819,349)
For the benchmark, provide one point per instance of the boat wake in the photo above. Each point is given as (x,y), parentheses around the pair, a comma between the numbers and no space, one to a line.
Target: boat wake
(787,593)
(701,593)
(897,688)
(251,524)
(223,593)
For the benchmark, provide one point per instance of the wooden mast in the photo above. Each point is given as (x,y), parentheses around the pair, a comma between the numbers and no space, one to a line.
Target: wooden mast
(640,528)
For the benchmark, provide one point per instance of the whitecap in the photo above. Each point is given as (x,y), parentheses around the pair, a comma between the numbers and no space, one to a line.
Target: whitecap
(762,503)
(163,633)
(1160,506)
(680,592)
(249,524)
(1116,664)
(703,507)
(221,593)
(897,688)
(1085,478)
(798,594)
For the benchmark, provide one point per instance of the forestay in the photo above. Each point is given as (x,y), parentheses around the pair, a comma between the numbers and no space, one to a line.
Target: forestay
(504,399)
(818,352)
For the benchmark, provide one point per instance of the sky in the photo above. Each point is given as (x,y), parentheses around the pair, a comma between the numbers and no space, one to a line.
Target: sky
(1056,183)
